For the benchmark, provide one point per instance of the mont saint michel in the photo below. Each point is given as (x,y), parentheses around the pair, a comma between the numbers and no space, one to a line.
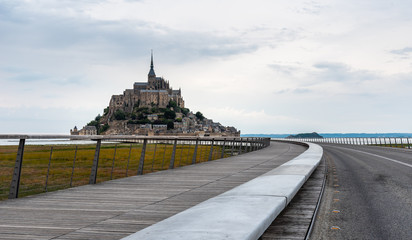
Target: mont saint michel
(152,108)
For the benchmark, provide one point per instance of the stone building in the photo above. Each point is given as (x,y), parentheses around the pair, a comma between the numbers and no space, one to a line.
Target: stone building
(74,131)
(155,92)
(86,130)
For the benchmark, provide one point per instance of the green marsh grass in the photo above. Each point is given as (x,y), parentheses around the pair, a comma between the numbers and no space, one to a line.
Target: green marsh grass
(36,160)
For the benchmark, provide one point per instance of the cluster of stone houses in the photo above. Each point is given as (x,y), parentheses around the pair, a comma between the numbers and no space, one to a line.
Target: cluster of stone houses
(190,125)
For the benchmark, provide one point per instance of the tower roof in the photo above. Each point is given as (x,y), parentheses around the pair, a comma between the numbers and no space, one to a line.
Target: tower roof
(152,72)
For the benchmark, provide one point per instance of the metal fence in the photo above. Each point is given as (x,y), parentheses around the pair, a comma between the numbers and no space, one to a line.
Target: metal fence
(375,141)
(30,169)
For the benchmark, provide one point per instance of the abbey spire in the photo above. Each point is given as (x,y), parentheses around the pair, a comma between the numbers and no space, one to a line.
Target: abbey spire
(151,72)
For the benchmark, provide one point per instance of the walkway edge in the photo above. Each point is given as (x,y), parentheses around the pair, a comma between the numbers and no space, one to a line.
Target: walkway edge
(244,212)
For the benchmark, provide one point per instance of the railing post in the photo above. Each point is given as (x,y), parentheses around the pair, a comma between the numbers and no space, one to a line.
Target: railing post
(188,151)
(172,160)
(233,147)
(48,169)
(250,145)
(195,151)
(181,153)
(93,174)
(211,150)
(164,154)
(114,158)
(154,156)
(142,155)
(128,160)
(240,147)
(74,162)
(15,182)
(223,148)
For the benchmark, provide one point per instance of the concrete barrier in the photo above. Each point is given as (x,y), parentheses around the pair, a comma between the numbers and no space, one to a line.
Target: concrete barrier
(244,212)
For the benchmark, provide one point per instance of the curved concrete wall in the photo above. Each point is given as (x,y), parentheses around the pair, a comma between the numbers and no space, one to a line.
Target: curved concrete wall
(244,212)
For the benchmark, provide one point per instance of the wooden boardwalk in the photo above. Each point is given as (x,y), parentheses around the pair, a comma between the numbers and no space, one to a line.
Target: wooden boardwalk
(118,208)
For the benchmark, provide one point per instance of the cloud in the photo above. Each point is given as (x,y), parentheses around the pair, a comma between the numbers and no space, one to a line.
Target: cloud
(311,7)
(404,53)
(108,38)
(294,91)
(284,69)
(332,71)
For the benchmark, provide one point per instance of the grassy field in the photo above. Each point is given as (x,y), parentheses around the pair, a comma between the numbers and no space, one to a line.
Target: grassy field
(398,145)
(116,161)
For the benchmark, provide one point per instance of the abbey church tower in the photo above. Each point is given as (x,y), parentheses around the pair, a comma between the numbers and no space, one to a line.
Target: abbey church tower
(155,92)
(155,83)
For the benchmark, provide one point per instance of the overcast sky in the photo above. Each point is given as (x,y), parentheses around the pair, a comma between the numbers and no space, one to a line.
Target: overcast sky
(261,66)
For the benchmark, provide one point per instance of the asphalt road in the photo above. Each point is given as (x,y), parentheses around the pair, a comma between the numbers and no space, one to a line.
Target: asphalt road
(368,194)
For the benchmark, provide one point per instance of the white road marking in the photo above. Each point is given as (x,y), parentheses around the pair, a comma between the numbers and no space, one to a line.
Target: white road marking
(375,155)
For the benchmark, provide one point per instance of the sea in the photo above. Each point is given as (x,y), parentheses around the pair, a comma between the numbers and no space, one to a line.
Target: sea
(12,142)
(392,136)
(340,135)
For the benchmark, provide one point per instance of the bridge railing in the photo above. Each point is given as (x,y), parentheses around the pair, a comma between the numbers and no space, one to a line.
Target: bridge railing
(29,169)
(398,142)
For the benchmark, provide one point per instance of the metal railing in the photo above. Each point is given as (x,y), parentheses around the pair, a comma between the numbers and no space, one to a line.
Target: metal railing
(397,142)
(52,167)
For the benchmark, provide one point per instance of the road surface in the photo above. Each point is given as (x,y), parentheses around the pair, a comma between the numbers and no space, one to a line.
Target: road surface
(368,194)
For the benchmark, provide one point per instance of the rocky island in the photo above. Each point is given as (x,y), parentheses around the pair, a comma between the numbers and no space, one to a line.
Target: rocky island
(305,135)
(152,108)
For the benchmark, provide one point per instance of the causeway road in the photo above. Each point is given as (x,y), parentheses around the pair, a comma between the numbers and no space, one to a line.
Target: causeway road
(368,194)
